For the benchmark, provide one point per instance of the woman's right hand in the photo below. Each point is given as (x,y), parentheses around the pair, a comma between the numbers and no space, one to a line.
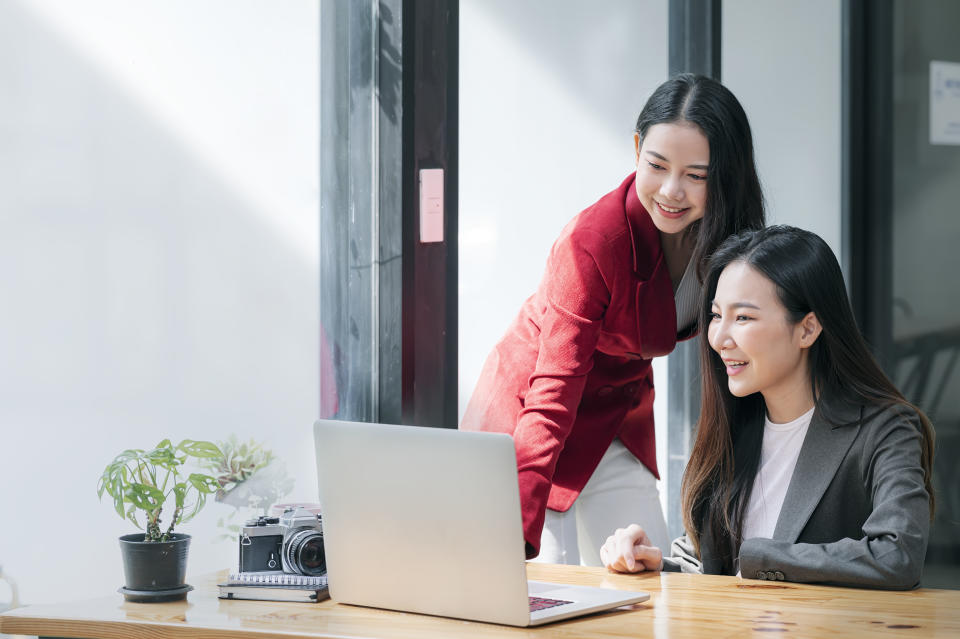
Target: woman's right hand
(630,550)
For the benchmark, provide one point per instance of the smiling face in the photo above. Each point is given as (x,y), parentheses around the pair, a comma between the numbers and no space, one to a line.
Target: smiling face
(672,174)
(762,349)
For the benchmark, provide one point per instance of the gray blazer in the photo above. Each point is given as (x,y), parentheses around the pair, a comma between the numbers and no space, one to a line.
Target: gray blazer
(856,512)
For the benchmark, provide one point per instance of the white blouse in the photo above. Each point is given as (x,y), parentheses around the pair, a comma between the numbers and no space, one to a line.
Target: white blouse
(778,458)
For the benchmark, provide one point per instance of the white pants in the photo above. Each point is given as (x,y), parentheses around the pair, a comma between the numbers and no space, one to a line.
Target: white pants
(620,492)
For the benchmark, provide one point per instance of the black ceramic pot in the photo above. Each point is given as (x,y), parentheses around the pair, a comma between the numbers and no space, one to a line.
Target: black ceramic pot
(155,570)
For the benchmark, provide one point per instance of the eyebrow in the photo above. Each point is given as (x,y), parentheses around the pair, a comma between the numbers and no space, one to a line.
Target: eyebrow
(702,167)
(737,305)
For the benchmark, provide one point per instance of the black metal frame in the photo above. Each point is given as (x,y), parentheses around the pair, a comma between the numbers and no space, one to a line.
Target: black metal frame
(430,132)
(867,184)
(694,37)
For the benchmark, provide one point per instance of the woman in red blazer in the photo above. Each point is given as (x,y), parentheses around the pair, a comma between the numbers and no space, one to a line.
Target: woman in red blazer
(571,379)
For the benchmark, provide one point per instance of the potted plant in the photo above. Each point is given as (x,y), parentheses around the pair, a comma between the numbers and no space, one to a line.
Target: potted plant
(142,484)
(251,479)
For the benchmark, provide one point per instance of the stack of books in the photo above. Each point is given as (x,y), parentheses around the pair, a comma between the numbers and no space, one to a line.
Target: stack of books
(274,585)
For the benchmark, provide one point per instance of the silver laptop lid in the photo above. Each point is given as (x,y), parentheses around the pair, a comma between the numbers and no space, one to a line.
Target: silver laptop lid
(422,520)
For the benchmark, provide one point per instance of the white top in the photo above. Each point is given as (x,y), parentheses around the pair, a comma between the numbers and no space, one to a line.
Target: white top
(778,458)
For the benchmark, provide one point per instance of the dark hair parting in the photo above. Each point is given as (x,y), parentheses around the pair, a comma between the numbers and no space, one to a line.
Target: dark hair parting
(734,197)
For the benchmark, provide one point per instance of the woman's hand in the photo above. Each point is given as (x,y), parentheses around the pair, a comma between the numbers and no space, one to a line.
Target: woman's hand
(630,550)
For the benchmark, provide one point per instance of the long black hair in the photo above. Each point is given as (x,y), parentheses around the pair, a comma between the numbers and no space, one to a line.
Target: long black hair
(734,197)
(726,454)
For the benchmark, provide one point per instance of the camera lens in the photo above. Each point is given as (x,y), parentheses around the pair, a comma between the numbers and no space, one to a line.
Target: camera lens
(304,552)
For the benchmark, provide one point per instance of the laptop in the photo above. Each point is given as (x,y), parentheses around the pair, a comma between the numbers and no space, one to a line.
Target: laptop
(427,520)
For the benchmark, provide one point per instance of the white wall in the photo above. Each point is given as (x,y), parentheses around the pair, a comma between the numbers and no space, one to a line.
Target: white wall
(158,206)
(782,59)
(549,95)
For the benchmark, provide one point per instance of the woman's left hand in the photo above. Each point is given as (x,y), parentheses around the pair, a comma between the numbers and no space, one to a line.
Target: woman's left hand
(630,550)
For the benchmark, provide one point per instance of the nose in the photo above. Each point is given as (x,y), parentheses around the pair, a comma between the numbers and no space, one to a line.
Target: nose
(719,336)
(672,189)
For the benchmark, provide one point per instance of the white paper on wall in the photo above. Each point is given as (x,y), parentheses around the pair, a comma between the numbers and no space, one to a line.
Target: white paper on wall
(944,102)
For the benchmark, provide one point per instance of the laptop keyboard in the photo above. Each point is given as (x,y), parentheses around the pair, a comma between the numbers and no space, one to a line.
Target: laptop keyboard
(542,603)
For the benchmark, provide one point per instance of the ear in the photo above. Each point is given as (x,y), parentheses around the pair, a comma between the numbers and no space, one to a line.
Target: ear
(809,329)
(636,148)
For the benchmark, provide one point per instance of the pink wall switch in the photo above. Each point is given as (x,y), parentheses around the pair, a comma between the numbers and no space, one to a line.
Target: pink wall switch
(431,205)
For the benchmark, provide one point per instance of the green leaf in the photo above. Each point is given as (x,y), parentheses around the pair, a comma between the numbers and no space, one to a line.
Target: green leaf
(139,480)
(115,491)
(132,517)
(118,503)
(145,497)
(205,484)
(201,449)
(110,476)
(163,457)
(180,493)
(128,455)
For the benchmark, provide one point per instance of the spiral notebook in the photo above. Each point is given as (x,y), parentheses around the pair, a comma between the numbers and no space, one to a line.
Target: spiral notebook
(274,586)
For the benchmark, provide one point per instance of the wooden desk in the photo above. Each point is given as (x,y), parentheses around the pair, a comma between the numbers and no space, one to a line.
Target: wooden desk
(680,606)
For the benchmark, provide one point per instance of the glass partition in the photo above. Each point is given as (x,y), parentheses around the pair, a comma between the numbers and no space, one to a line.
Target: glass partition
(360,209)
(925,233)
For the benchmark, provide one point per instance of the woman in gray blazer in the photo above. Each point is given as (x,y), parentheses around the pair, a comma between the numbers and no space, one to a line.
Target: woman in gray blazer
(809,465)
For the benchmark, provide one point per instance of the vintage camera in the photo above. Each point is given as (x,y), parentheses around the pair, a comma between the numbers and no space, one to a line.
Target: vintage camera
(292,542)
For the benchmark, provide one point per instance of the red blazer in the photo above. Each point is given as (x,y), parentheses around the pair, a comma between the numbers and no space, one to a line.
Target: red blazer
(573,370)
